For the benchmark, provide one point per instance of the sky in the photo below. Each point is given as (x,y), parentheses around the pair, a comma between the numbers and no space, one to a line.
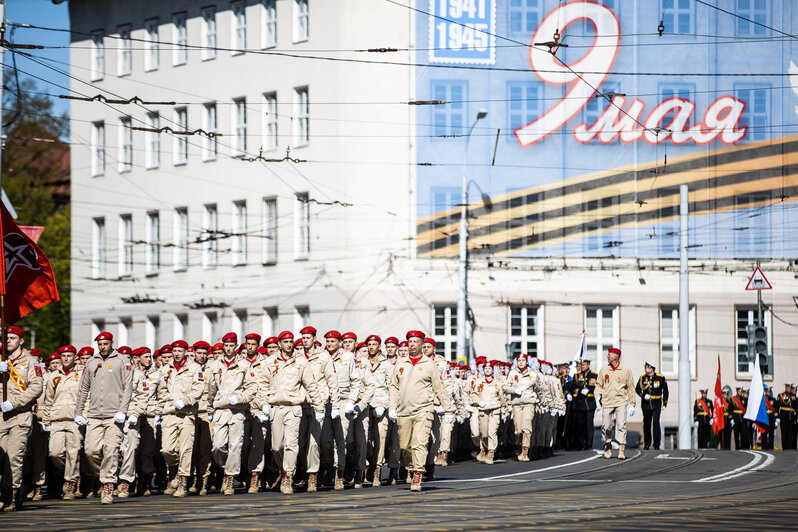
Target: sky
(46,14)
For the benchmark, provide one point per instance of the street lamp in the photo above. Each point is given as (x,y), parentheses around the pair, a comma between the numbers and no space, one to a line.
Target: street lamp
(463,242)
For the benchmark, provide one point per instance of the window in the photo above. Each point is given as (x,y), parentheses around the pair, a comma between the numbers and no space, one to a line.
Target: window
(97,56)
(124,65)
(683,91)
(152,336)
(125,245)
(98,248)
(301,317)
(208,33)
(668,233)
(269,121)
(179,50)
(269,322)
(268,31)
(746,316)
(446,330)
(269,231)
(180,326)
(97,326)
(677,15)
(209,144)
(152,150)
(240,127)
(210,322)
(669,342)
(595,106)
(239,323)
(210,228)
(301,21)
(449,119)
(526,209)
(524,101)
(756,10)
(98,149)
(125,144)
(125,333)
(238,28)
(239,244)
(601,328)
(180,236)
(181,141)
(153,256)
(587,27)
(525,331)
(301,227)
(443,199)
(757,106)
(151,45)
(301,117)
(524,16)
(752,224)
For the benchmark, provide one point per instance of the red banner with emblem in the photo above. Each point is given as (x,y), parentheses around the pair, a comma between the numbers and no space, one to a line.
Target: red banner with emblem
(718,420)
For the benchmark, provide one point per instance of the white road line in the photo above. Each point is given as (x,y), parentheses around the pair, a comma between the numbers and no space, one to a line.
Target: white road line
(532,471)
(750,467)
(667,457)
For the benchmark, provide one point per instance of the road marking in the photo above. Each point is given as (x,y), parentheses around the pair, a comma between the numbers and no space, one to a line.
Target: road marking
(498,477)
(750,467)
(667,457)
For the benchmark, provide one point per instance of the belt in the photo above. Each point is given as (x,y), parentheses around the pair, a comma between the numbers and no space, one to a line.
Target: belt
(703,414)
(787,409)
(589,395)
(656,397)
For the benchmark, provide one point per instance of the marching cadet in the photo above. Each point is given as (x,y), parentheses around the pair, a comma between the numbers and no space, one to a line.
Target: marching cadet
(66,440)
(272,346)
(767,436)
(380,369)
(562,421)
(738,404)
(391,345)
(255,424)
(414,385)
(107,384)
(349,341)
(542,408)
(615,391)
(287,384)
(451,386)
(556,407)
(702,418)
(392,450)
(653,391)
(359,427)
(230,390)
(34,464)
(180,392)
(786,410)
(349,380)
(491,403)
(201,456)
(581,393)
(321,366)
(471,399)
(84,355)
(428,347)
(217,351)
(403,351)
(149,420)
(136,415)
(523,388)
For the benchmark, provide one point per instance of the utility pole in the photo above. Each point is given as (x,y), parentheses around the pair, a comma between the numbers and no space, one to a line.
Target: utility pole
(685,417)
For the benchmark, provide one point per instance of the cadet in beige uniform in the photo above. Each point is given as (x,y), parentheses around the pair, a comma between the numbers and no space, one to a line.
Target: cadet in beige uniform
(471,398)
(255,423)
(182,385)
(287,383)
(229,393)
(360,417)
(428,347)
(149,419)
(523,388)
(381,371)
(615,391)
(453,391)
(136,415)
(24,386)
(201,457)
(491,402)
(107,384)
(392,451)
(414,386)
(347,373)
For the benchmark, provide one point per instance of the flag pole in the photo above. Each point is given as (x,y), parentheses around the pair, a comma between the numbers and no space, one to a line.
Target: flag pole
(4,355)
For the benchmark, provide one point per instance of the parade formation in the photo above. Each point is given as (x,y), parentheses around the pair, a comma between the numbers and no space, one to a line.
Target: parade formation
(292,413)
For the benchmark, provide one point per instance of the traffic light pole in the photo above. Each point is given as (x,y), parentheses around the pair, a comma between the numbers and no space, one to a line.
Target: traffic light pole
(759,319)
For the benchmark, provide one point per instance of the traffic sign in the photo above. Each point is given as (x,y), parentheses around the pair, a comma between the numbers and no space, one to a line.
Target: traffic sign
(758,281)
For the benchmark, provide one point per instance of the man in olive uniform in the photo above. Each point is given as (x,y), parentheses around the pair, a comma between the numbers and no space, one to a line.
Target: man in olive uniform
(785,406)
(653,391)
(739,425)
(583,404)
(702,418)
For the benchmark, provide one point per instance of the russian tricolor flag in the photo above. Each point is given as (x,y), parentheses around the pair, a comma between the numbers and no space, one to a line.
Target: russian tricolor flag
(757,410)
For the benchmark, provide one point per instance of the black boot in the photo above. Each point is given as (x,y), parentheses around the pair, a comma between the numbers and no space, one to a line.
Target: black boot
(430,472)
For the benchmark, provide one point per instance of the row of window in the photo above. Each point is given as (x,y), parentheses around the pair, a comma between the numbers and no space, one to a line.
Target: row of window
(179,44)
(300,120)
(207,239)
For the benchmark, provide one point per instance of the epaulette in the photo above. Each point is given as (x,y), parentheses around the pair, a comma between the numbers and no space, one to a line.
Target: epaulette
(659,375)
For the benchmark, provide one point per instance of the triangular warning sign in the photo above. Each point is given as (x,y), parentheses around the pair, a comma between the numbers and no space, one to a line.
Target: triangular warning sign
(758,281)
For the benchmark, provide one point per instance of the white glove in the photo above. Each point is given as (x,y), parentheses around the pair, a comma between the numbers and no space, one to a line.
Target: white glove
(132,420)
(460,420)
(647,396)
(518,391)
(392,415)
(379,411)
(778,421)
(598,409)
(544,409)
(505,416)
(448,418)
(335,413)
(569,397)
(179,404)
(319,417)
(562,413)
(583,391)
(6,406)
(119,417)
(45,428)
(158,419)
(732,422)
(468,408)
(348,407)
(3,366)
(263,419)
(481,404)
(233,400)
(554,413)
(266,409)
(80,420)
(631,410)
(439,409)
(695,424)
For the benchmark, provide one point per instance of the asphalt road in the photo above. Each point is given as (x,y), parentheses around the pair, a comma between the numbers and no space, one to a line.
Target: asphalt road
(686,490)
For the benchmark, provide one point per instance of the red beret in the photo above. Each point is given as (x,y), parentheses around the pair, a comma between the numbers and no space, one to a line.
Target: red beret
(67,348)
(374,337)
(317,343)
(361,344)
(230,337)
(298,343)
(333,334)
(217,347)
(141,350)
(241,348)
(166,349)
(481,359)
(270,340)
(202,344)
(415,334)
(253,336)
(285,334)
(86,351)
(614,350)
(522,355)
(392,340)
(13,329)
(308,330)
(262,351)
(431,341)
(349,335)
(403,344)
(36,353)
(104,336)
(124,350)
(54,356)
(180,343)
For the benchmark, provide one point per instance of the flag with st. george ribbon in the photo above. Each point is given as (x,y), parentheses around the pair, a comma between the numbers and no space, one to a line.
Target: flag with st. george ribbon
(26,276)
(718,419)
(757,409)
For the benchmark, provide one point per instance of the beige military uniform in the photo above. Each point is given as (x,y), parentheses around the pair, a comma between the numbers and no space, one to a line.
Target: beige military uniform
(202,455)
(227,381)
(381,372)
(453,391)
(255,432)
(557,406)
(147,429)
(437,418)
(58,413)
(615,389)
(491,403)
(184,383)
(523,389)
(132,437)
(360,416)
(313,433)
(540,421)
(347,373)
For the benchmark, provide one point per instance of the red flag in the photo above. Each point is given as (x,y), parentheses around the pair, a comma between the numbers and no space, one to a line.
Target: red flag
(718,420)
(26,276)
